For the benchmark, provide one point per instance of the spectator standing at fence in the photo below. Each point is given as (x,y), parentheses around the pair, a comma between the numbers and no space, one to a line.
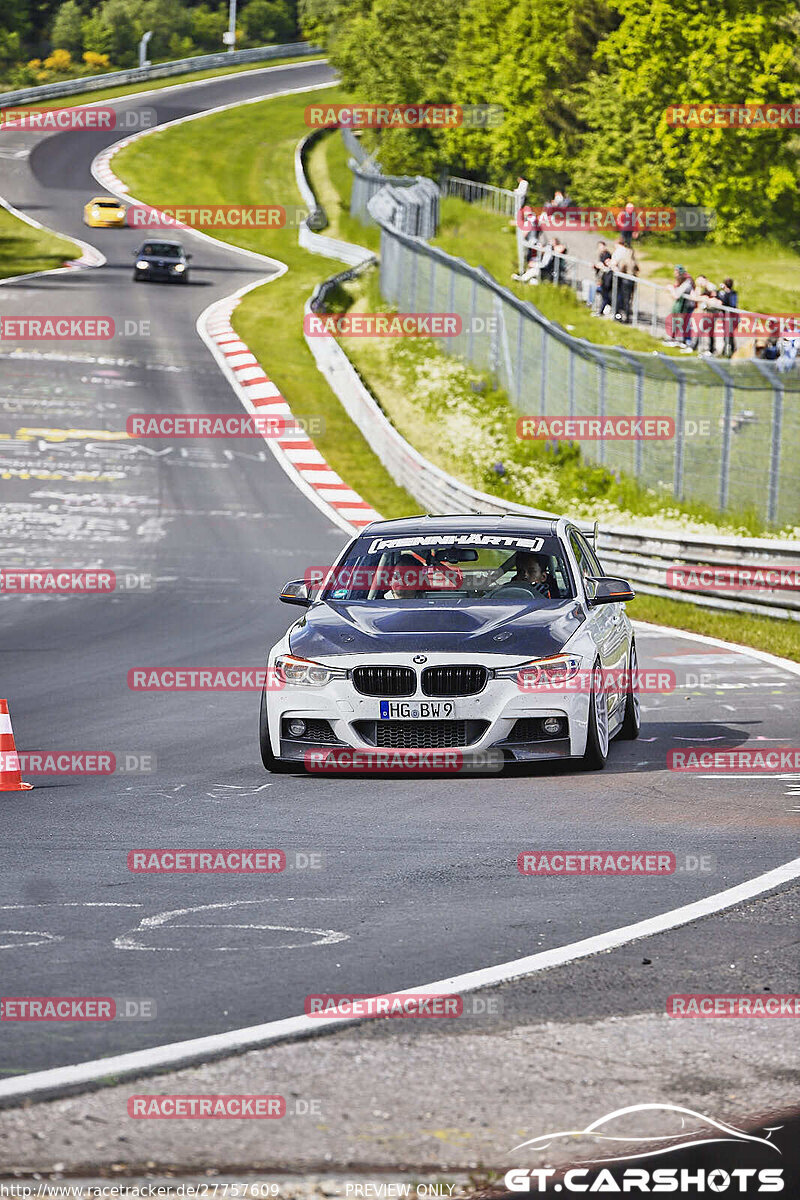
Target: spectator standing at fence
(626,223)
(682,304)
(728,298)
(704,298)
(623,263)
(604,275)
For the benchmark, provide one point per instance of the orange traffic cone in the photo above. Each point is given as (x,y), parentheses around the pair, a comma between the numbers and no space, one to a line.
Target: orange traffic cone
(10,778)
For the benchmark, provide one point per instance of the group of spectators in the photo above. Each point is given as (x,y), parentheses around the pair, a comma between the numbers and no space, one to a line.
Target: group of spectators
(693,299)
(610,299)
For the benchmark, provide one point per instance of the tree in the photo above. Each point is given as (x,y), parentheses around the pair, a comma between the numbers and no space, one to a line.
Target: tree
(671,52)
(207,27)
(67,29)
(267,21)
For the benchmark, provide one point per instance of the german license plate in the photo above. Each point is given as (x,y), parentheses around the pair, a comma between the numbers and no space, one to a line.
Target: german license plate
(417,710)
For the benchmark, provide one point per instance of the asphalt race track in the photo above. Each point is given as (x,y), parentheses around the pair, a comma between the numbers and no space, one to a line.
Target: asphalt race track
(417,878)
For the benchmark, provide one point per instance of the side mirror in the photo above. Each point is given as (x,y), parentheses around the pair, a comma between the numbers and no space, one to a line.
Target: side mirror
(189,256)
(607,589)
(296,592)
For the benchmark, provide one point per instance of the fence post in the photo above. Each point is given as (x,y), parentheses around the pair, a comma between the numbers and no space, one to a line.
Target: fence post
(725,459)
(520,328)
(473,295)
(680,436)
(543,383)
(601,406)
(571,381)
(411,304)
(431,306)
(775,443)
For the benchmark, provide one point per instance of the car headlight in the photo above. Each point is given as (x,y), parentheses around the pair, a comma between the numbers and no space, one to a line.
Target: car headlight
(542,672)
(142,265)
(179,267)
(304,672)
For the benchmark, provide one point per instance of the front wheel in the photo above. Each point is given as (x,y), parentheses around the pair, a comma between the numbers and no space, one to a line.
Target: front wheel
(632,719)
(277,766)
(596,754)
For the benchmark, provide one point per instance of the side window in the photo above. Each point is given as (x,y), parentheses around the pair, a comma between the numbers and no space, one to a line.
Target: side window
(586,560)
(590,556)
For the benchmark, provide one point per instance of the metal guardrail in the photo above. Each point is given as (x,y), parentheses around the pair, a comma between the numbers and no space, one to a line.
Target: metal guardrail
(641,556)
(178,66)
(308,235)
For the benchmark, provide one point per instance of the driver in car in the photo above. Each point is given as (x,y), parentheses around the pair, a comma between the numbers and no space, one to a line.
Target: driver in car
(531,573)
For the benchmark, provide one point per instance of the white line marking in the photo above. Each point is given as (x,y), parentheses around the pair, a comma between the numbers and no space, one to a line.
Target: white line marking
(127,941)
(196,1050)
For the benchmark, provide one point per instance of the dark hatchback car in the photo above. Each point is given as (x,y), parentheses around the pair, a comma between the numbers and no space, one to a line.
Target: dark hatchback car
(161,260)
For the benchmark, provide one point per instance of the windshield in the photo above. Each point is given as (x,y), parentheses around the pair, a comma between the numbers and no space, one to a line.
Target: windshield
(162,249)
(106,203)
(504,567)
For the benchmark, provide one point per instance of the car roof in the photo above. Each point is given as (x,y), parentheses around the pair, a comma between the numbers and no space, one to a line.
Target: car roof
(163,242)
(458,523)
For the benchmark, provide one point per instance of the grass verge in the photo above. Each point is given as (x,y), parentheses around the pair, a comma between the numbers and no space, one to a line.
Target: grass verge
(767,274)
(131,89)
(258,167)
(24,248)
(762,633)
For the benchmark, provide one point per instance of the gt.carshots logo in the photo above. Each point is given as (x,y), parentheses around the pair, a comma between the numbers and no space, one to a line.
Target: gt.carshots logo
(735,761)
(621,1139)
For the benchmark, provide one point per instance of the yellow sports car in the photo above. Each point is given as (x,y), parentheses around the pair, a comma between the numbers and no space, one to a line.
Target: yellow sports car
(103,211)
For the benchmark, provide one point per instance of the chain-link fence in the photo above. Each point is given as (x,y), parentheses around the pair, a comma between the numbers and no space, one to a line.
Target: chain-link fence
(736,425)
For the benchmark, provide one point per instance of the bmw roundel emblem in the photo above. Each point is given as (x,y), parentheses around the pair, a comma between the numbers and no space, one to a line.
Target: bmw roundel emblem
(420,658)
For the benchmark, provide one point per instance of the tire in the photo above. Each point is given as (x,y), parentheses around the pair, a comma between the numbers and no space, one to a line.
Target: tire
(596,754)
(278,766)
(632,720)
(137,278)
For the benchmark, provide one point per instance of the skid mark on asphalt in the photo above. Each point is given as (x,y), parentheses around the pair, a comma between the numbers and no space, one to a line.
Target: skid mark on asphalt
(129,941)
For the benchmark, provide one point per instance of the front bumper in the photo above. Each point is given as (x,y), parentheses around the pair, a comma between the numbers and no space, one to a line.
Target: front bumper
(500,717)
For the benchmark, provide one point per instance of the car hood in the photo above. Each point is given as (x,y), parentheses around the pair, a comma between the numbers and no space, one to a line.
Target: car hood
(494,628)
